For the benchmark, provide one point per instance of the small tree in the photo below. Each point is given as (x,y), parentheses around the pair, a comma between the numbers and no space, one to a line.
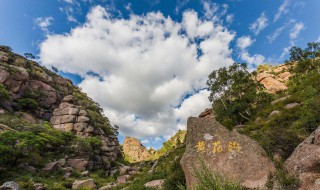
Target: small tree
(233,91)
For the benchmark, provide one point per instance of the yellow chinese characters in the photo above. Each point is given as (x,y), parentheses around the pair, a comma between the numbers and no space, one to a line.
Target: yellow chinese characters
(217,147)
(233,146)
(200,146)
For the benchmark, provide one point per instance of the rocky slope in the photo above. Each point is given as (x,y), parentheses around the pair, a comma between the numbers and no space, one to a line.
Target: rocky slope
(51,117)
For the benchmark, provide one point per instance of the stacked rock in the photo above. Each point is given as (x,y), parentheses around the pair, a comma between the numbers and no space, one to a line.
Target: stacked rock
(71,118)
(68,117)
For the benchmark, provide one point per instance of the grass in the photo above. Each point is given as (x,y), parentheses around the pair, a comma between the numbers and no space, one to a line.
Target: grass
(207,180)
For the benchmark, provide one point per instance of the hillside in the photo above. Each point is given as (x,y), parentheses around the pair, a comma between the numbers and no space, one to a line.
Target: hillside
(49,127)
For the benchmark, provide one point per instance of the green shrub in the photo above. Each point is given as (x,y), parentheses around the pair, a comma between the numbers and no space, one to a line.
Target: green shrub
(4,94)
(28,104)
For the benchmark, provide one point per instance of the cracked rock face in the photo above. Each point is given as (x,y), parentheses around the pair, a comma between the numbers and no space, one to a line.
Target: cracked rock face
(72,118)
(134,150)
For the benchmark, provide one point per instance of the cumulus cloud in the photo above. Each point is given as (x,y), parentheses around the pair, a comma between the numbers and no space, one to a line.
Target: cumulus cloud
(283,9)
(43,23)
(148,69)
(243,43)
(295,31)
(257,26)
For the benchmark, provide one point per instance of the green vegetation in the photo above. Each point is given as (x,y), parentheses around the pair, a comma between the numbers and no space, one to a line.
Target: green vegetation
(235,95)
(208,180)
(175,141)
(4,94)
(27,104)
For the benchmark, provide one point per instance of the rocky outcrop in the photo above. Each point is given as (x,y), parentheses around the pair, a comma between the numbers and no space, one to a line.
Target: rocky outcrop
(134,151)
(72,118)
(223,152)
(274,78)
(304,163)
(84,184)
(25,79)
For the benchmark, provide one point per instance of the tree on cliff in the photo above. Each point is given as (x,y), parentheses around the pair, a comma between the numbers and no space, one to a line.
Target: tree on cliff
(234,93)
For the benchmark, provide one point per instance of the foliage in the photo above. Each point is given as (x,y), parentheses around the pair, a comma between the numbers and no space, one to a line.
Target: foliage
(307,59)
(233,93)
(207,180)
(27,104)
(15,145)
(4,94)
(88,144)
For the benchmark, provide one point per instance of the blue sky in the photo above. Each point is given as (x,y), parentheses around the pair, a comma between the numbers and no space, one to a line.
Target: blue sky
(151,79)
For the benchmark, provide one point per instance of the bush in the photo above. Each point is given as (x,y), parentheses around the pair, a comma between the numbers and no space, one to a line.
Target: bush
(28,104)
(4,94)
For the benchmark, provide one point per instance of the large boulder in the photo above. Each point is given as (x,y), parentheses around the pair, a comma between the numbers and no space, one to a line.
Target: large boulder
(84,184)
(10,185)
(236,156)
(304,162)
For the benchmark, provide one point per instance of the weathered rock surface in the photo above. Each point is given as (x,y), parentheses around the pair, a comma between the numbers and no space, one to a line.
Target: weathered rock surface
(87,184)
(155,183)
(70,117)
(134,150)
(274,79)
(304,163)
(227,153)
(10,185)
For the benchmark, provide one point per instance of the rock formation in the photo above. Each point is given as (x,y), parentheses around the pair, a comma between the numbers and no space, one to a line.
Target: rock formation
(72,118)
(274,79)
(38,95)
(225,153)
(134,151)
(304,163)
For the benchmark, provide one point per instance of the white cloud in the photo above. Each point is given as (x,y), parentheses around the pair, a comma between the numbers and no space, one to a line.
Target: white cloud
(146,66)
(43,23)
(229,18)
(259,24)
(283,9)
(318,40)
(272,37)
(295,31)
(243,43)
(255,59)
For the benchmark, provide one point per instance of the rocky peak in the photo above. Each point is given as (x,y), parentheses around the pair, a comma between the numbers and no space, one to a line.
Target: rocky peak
(134,151)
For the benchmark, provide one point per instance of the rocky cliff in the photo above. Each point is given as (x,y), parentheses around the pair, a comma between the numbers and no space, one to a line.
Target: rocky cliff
(38,96)
(134,151)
